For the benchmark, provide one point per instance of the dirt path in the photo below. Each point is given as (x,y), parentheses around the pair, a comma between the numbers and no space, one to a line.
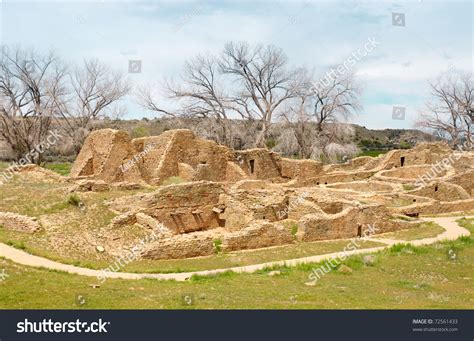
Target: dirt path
(452,232)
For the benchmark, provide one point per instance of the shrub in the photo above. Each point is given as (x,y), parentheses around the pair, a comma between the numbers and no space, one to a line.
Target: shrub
(218,246)
(294,229)
(74,200)
(271,143)
(18,245)
(140,131)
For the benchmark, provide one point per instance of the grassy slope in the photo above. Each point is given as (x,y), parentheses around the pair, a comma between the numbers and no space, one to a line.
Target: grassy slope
(242,257)
(67,225)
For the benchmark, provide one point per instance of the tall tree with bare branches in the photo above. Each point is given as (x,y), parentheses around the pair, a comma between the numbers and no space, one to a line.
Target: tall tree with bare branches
(316,116)
(450,112)
(265,80)
(92,91)
(202,93)
(29,82)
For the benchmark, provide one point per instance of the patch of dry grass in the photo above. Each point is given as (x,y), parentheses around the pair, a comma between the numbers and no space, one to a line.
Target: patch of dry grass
(418,231)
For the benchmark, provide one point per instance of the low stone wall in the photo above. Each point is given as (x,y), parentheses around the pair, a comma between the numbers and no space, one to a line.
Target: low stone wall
(257,235)
(436,207)
(90,186)
(16,222)
(442,191)
(465,180)
(183,246)
(333,178)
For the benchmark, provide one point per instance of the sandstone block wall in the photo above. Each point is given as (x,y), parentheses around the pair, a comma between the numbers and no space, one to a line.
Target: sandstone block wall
(257,235)
(182,208)
(259,163)
(182,246)
(103,154)
(112,156)
(465,180)
(300,168)
(346,224)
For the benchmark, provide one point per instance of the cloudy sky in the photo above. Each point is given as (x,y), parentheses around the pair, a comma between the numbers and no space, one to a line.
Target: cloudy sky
(428,38)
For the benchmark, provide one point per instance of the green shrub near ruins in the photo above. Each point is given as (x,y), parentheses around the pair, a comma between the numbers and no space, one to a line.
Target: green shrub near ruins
(217,246)
(74,199)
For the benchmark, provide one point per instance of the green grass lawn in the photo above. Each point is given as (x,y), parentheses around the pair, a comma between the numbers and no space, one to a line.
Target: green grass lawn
(423,230)
(403,277)
(62,168)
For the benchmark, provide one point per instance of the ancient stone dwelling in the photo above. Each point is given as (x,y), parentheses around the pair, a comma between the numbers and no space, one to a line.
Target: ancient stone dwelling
(205,194)
(113,156)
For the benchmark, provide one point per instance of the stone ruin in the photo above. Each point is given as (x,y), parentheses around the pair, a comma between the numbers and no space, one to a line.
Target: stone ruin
(112,156)
(236,200)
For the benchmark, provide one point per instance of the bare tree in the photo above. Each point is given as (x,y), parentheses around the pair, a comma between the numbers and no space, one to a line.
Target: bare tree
(335,99)
(300,129)
(315,115)
(92,92)
(262,84)
(265,82)
(29,82)
(203,95)
(465,100)
(450,112)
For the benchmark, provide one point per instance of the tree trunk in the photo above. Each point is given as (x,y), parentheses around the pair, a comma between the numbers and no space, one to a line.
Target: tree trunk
(262,136)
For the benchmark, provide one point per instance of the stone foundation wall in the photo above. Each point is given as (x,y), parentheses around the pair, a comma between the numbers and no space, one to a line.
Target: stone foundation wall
(257,235)
(345,224)
(16,222)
